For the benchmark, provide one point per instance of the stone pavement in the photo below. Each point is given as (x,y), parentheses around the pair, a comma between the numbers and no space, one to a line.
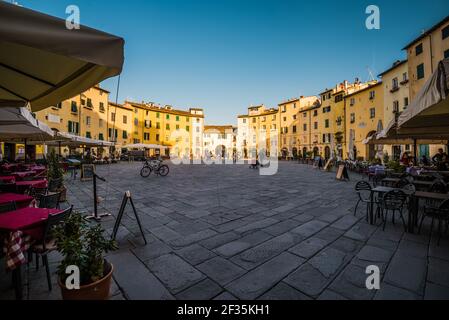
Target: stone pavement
(225,232)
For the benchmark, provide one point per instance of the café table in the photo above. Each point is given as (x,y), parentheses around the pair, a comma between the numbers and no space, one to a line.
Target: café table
(8,179)
(15,225)
(414,205)
(382,190)
(23,174)
(22,201)
(421,184)
(23,186)
(9,166)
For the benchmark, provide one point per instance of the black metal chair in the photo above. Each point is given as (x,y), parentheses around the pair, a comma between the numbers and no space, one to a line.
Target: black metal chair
(438,187)
(441,213)
(50,201)
(47,244)
(363,189)
(393,201)
(404,182)
(7,207)
(36,193)
(8,187)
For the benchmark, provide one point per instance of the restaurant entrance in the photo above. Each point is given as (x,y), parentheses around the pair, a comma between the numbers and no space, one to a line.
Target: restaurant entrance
(10,152)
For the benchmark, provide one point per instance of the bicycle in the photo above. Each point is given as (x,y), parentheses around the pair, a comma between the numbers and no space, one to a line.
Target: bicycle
(156,166)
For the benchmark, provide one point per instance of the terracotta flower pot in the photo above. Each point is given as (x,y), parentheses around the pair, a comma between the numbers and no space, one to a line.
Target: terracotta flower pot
(99,290)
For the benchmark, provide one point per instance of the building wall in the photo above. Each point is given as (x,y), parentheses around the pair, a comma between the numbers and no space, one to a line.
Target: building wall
(217,137)
(360,119)
(435,49)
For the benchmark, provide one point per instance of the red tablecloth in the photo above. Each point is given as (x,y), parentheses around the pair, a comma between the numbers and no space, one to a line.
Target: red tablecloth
(9,166)
(21,175)
(38,169)
(22,201)
(8,179)
(16,223)
(24,185)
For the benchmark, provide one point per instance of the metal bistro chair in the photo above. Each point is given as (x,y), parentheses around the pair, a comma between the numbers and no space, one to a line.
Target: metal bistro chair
(393,201)
(36,193)
(47,244)
(54,185)
(441,213)
(7,207)
(363,190)
(50,201)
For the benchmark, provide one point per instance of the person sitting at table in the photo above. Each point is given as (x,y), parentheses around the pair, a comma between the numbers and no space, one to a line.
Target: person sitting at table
(440,159)
(405,160)
(425,161)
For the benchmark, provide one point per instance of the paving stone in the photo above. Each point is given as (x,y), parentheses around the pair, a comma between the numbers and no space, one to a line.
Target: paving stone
(308,280)
(345,222)
(388,292)
(265,251)
(374,254)
(257,225)
(412,277)
(303,218)
(282,291)
(328,262)
(309,247)
(329,234)
(204,290)
(309,228)
(360,232)
(142,285)
(195,254)
(225,296)
(437,272)
(414,249)
(255,283)
(190,239)
(347,245)
(221,270)
(232,248)
(330,295)
(175,273)
(281,227)
(164,233)
(218,240)
(436,292)
(151,250)
(351,283)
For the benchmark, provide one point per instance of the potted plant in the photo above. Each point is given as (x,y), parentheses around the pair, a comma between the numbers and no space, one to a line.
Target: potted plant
(55,176)
(84,245)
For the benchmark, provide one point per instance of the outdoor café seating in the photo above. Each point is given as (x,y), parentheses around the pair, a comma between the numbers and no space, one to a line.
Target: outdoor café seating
(441,214)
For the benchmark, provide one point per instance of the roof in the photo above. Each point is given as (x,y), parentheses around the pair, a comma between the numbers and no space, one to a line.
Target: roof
(162,110)
(117,105)
(397,64)
(101,89)
(266,113)
(364,89)
(221,129)
(427,32)
(288,101)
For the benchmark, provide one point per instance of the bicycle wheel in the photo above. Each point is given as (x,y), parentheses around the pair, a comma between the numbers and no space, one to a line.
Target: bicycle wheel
(163,170)
(145,172)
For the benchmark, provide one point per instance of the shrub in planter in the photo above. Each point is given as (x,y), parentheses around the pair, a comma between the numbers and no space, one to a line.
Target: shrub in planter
(84,245)
(55,175)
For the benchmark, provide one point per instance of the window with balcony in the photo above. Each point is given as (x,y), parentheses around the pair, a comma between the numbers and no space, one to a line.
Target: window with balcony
(394,85)
(89,103)
(338,98)
(73,127)
(112,132)
(404,78)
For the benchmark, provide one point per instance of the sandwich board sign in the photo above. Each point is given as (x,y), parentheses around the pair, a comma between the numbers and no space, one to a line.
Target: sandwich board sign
(342,173)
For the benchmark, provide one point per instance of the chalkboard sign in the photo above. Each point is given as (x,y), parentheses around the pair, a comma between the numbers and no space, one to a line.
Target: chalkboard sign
(127,197)
(87,172)
(328,165)
(342,173)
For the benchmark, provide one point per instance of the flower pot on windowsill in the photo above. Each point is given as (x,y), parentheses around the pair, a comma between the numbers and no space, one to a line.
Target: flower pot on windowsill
(99,290)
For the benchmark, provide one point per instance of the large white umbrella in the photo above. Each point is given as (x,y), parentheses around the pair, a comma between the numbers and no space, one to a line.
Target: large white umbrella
(19,123)
(428,114)
(143,146)
(43,63)
(351,144)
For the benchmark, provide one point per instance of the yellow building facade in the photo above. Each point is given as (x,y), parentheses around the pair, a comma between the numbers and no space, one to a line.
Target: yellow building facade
(425,52)
(258,131)
(365,114)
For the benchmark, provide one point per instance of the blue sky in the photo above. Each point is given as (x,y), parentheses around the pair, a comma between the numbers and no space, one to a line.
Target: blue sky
(224,55)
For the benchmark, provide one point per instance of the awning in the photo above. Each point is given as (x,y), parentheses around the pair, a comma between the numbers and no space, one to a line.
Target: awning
(17,124)
(43,63)
(428,115)
(143,146)
(68,139)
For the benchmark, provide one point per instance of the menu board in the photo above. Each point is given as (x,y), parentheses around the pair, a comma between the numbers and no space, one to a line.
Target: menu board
(87,172)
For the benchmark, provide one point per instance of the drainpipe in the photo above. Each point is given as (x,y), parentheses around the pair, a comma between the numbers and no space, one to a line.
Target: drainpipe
(431,54)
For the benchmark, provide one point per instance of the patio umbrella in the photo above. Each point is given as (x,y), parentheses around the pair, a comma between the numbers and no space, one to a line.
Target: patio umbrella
(19,123)
(43,63)
(379,147)
(428,115)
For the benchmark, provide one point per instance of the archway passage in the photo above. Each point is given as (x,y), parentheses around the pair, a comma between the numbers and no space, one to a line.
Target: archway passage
(284,152)
(327,152)
(371,150)
(220,151)
(295,153)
